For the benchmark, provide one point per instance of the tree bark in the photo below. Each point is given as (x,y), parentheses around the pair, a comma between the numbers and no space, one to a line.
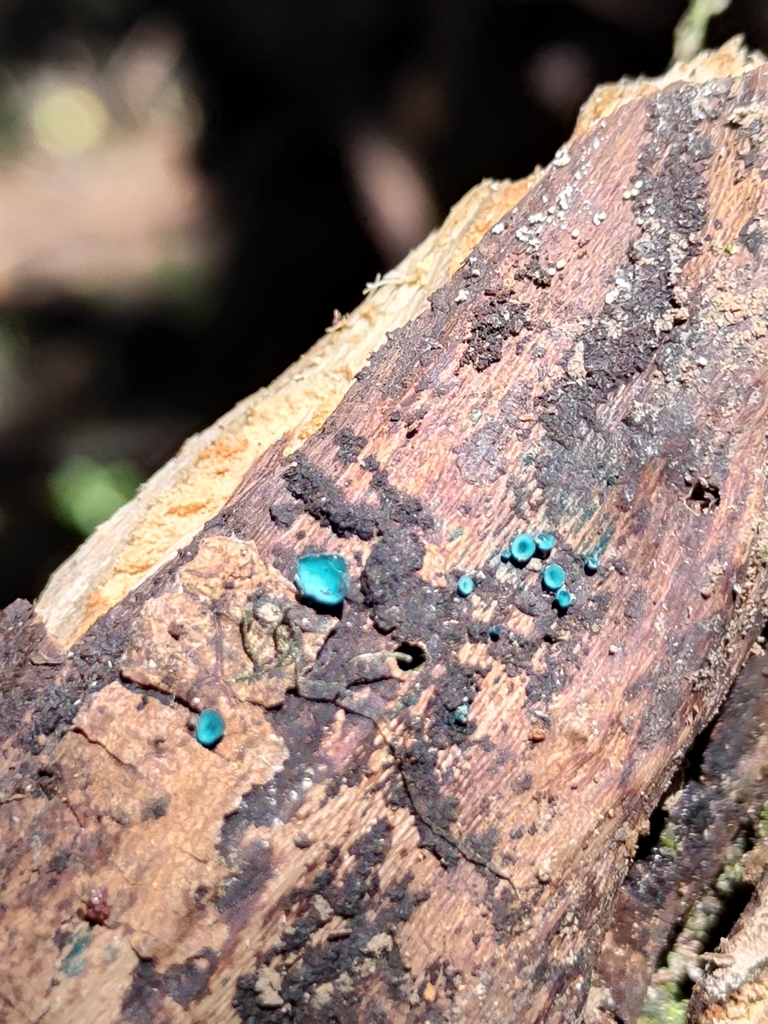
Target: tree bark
(424,805)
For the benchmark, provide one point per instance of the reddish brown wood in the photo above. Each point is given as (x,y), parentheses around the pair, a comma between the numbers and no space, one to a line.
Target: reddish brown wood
(596,369)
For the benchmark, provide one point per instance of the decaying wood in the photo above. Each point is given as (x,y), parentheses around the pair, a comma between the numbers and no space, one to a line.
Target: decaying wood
(373,841)
(737,987)
(704,817)
(176,503)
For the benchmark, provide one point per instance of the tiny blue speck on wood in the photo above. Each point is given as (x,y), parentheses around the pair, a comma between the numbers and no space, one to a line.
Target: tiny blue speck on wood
(553,577)
(591,565)
(461,715)
(210,728)
(563,599)
(465,586)
(523,549)
(323,579)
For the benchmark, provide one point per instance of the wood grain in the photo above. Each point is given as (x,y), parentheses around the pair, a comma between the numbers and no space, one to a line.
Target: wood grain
(178,500)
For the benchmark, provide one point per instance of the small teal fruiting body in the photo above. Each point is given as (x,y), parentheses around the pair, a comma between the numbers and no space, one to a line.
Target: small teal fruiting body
(563,599)
(461,715)
(210,728)
(506,554)
(322,579)
(544,544)
(465,586)
(553,577)
(494,633)
(523,549)
(591,565)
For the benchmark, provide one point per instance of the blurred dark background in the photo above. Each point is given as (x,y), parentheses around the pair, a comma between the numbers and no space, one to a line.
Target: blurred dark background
(188,190)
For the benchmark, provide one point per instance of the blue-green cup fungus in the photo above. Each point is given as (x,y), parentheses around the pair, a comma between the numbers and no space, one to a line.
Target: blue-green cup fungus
(322,579)
(591,565)
(210,728)
(523,549)
(465,585)
(461,715)
(544,544)
(506,554)
(494,633)
(553,577)
(563,599)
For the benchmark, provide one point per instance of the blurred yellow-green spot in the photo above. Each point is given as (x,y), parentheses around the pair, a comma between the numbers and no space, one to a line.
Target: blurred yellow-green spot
(69,120)
(84,493)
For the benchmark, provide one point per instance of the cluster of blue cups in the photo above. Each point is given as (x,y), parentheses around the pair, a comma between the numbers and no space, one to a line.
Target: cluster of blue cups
(521,551)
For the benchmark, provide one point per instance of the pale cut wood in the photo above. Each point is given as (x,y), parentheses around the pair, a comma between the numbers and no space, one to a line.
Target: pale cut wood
(443,843)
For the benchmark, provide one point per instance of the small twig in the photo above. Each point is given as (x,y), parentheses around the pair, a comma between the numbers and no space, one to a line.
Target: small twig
(691,30)
(399,758)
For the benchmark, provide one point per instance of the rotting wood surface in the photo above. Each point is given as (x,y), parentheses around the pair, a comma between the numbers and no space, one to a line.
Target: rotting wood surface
(596,369)
(723,797)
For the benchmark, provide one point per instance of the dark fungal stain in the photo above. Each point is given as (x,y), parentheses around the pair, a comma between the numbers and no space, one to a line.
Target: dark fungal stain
(336,962)
(59,861)
(301,725)
(33,688)
(509,915)
(634,606)
(143,997)
(284,513)
(410,353)
(48,694)
(349,445)
(752,236)
(500,319)
(580,453)
(404,608)
(156,809)
(185,983)
(534,272)
(433,810)
(254,869)
(324,501)
(355,889)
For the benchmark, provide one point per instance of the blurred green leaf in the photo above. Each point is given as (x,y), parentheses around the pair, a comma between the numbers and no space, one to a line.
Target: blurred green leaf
(84,493)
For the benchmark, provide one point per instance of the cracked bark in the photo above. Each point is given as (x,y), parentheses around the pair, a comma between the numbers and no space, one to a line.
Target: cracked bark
(444,841)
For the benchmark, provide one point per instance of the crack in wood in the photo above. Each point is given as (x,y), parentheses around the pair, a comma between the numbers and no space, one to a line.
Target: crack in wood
(399,757)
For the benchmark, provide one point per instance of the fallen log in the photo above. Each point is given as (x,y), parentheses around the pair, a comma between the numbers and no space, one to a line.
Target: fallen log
(426,798)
